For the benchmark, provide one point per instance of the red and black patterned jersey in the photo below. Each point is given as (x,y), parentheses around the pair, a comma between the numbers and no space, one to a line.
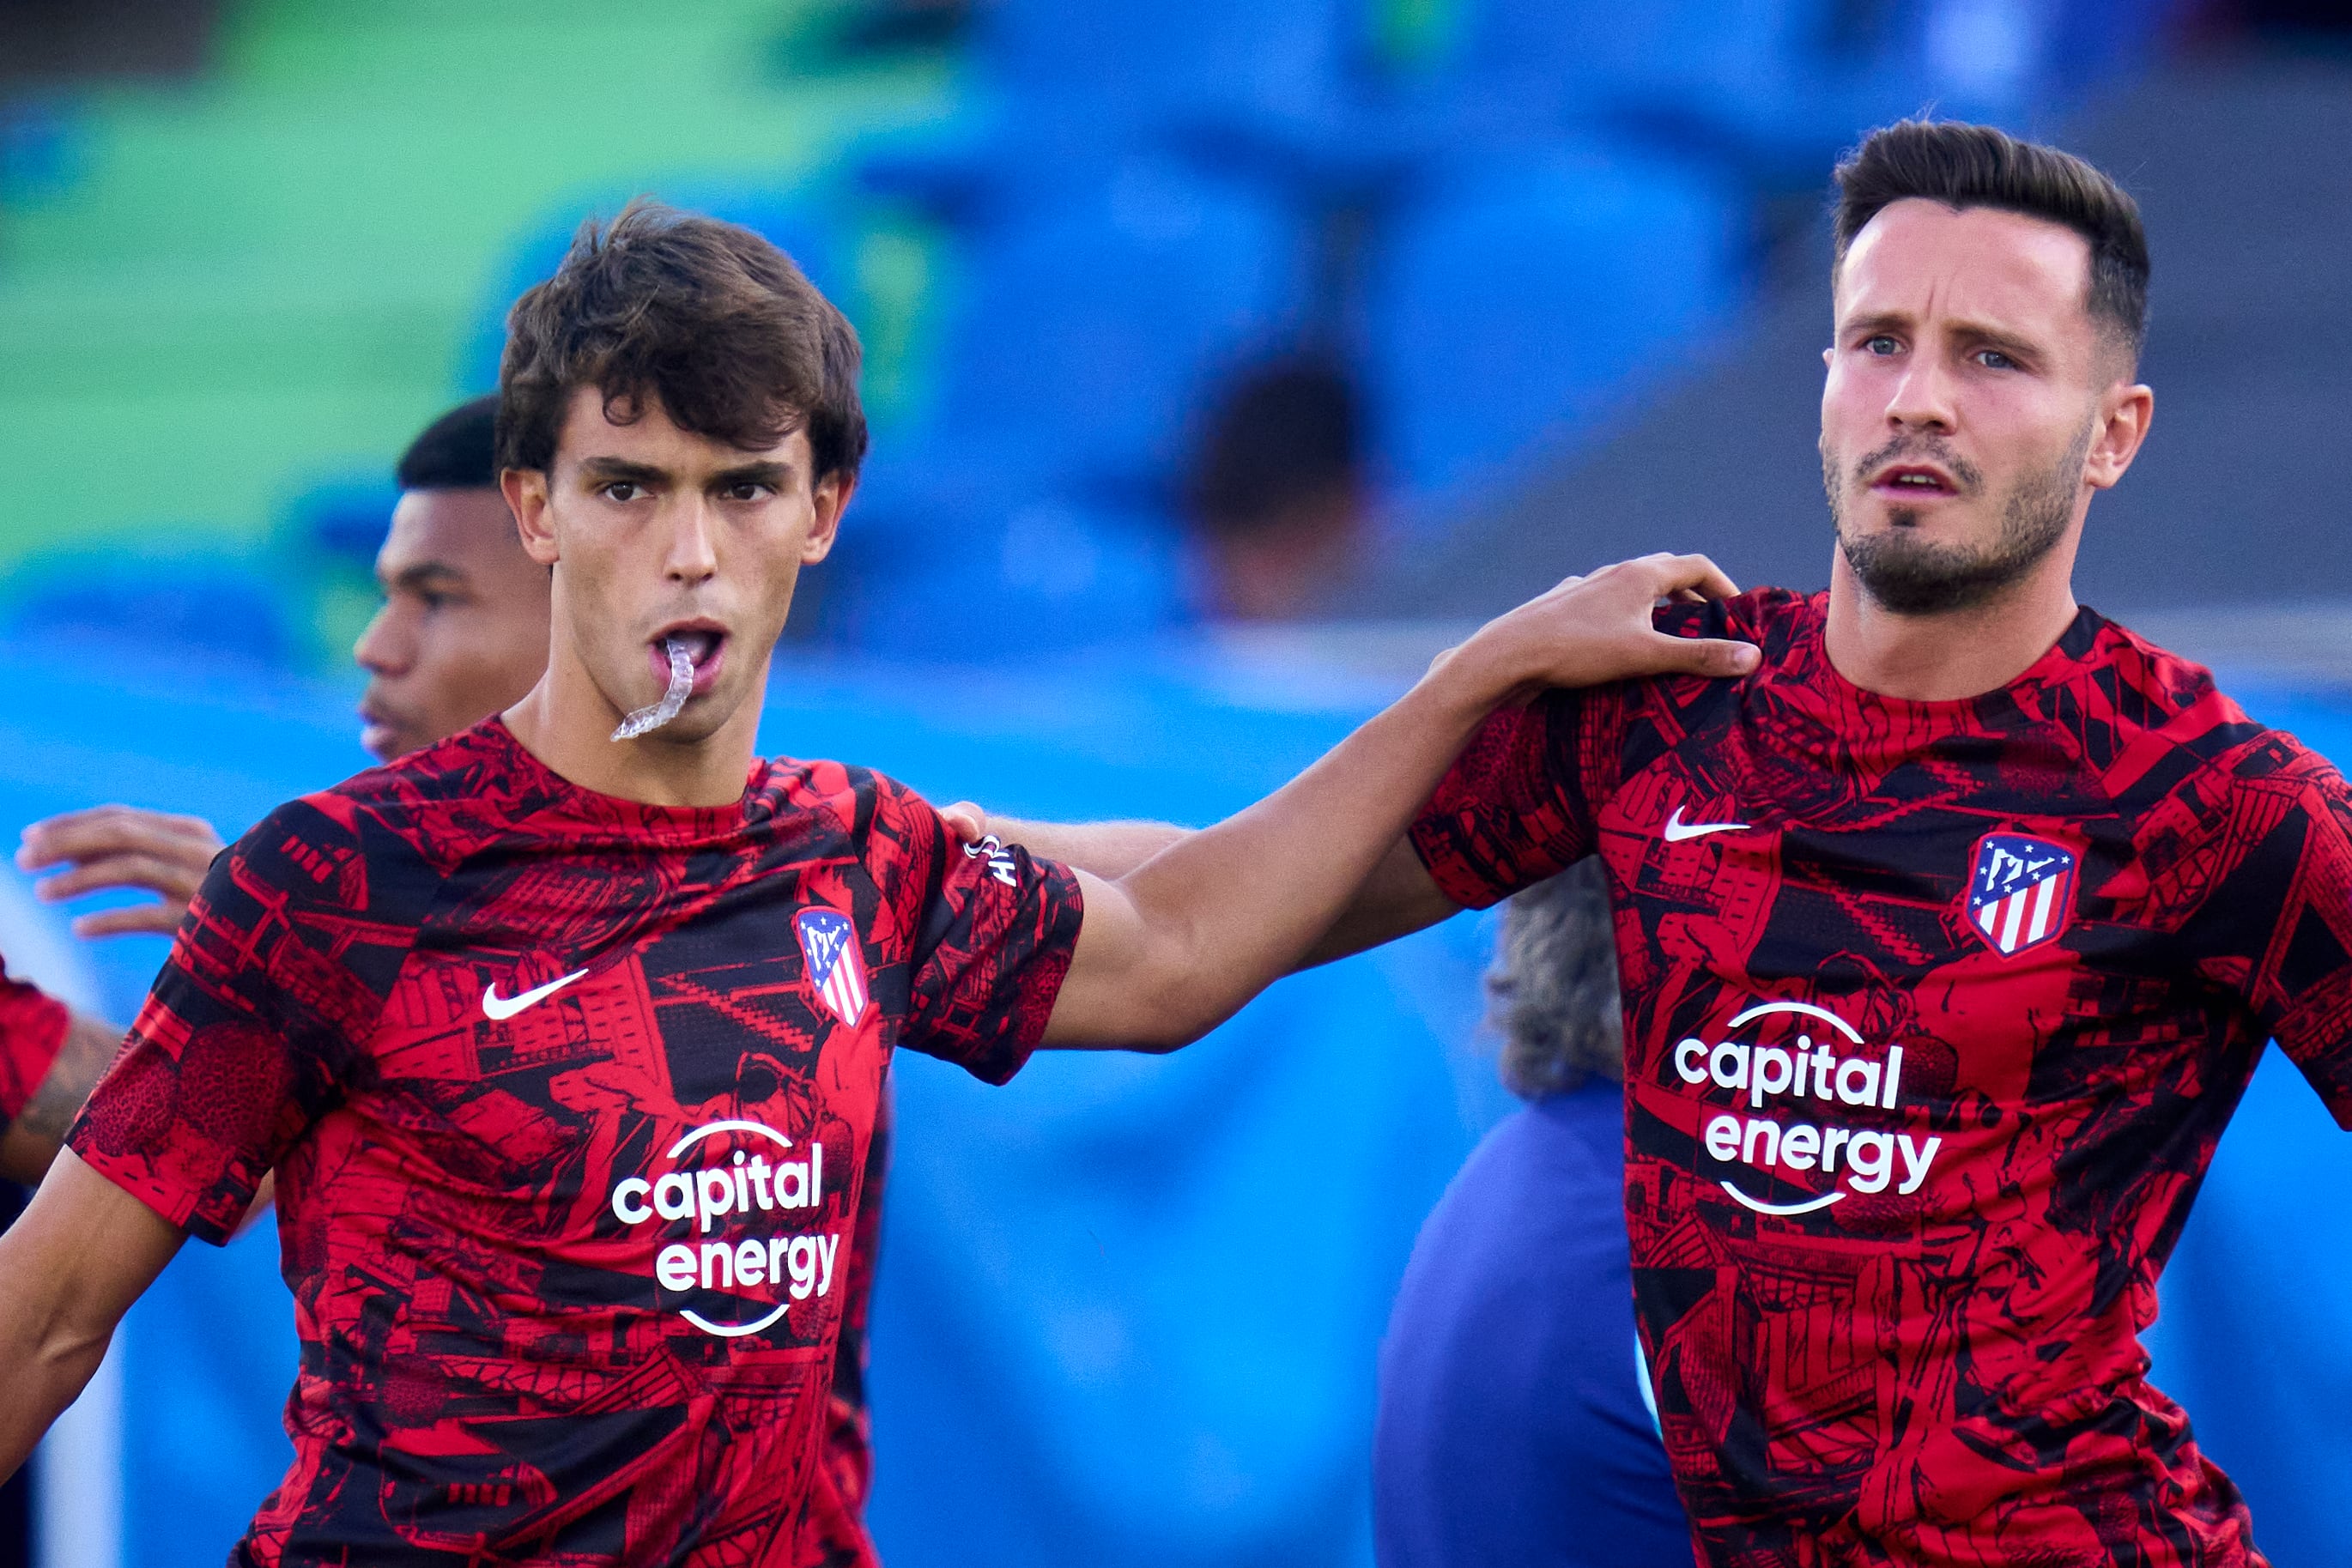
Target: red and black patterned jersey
(1933,1013)
(569,1100)
(32,1032)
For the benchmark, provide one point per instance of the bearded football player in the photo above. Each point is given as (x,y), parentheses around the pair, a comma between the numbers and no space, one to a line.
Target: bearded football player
(564,1036)
(1948,939)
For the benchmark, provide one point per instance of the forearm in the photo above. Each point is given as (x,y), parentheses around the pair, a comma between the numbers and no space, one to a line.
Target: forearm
(69,1268)
(46,1358)
(1231,908)
(1108,850)
(1397,899)
(33,1139)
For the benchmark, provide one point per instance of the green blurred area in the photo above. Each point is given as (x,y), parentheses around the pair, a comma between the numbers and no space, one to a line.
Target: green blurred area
(216,296)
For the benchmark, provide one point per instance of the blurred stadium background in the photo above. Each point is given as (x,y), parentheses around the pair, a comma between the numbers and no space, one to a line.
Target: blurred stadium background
(1222,358)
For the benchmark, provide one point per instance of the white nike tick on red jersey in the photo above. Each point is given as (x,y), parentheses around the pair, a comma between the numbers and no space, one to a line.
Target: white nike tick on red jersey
(496,1007)
(1676,829)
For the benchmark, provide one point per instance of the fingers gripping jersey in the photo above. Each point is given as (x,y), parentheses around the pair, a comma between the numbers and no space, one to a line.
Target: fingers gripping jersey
(1933,1013)
(571,1100)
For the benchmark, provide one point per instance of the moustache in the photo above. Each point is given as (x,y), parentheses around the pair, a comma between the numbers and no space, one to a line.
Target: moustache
(1919,449)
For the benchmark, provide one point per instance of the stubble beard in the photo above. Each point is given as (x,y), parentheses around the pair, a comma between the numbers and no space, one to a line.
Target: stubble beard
(1908,575)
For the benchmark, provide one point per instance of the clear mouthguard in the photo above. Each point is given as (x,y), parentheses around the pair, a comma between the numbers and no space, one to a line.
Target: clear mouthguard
(681,686)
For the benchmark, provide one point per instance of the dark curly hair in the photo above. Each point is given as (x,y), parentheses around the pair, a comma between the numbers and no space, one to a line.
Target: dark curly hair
(1552,988)
(706,317)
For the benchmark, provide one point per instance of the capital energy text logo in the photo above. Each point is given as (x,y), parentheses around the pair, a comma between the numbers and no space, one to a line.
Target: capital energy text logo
(740,1191)
(1788,1056)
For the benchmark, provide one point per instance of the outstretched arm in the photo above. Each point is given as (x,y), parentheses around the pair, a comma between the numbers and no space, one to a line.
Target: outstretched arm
(69,1268)
(1173,948)
(1398,899)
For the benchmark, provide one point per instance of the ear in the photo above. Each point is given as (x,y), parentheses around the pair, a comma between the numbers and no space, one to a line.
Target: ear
(831,498)
(526,493)
(2125,412)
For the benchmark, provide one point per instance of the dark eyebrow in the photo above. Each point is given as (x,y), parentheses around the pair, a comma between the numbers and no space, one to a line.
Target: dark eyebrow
(620,471)
(1883,322)
(775,475)
(425,575)
(1991,337)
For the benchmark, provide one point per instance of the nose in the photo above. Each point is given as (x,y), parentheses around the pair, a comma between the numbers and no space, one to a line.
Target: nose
(1922,397)
(385,647)
(693,556)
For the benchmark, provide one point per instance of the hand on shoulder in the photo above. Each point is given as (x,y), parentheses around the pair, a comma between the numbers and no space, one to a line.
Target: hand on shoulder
(1598,628)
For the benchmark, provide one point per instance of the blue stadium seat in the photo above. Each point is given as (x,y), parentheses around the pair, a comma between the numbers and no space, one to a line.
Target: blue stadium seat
(1089,76)
(1772,89)
(1086,333)
(218,609)
(1081,342)
(1005,577)
(1523,295)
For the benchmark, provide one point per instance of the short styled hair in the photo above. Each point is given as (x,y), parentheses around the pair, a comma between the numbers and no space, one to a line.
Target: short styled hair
(1552,988)
(458,451)
(706,317)
(1965,166)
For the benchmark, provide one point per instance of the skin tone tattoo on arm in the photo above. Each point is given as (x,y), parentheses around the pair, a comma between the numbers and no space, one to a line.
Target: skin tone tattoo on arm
(33,1139)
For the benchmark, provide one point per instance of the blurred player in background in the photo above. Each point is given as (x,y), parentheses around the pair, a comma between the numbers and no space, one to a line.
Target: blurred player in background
(1949,940)
(1277,495)
(564,1036)
(1514,1421)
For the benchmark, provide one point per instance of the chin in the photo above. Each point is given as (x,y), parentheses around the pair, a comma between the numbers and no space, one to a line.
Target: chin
(703,718)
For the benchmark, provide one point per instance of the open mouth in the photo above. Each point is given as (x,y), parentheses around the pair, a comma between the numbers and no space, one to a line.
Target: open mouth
(705,648)
(383,734)
(1914,483)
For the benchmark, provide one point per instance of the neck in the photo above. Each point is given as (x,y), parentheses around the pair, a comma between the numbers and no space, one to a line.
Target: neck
(567,723)
(1951,656)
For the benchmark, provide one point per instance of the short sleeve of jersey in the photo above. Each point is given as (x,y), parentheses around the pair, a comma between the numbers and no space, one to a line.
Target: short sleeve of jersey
(32,1030)
(253,1025)
(2291,896)
(993,931)
(1519,804)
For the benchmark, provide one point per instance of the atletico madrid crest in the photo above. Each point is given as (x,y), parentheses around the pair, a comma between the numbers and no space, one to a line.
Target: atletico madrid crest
(2020,891)
(836,967)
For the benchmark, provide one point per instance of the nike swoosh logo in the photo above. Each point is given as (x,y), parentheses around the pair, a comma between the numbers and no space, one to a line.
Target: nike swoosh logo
(496,1007)
(1676,829)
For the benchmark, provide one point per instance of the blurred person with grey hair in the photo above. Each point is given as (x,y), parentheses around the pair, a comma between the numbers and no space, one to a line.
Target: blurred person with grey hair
(1514,1421)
